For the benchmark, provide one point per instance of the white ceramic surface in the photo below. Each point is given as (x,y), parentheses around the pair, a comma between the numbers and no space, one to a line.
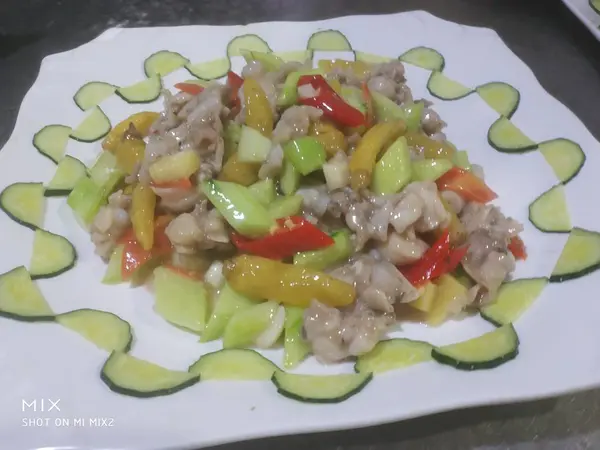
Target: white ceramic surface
(559,334)
(584,12)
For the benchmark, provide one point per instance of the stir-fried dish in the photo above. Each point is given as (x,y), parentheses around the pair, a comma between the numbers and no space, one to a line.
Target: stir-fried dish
(329,189)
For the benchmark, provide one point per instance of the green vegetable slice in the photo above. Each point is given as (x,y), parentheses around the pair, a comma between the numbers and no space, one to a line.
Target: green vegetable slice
(564,156)
(393,354)
(21,299)
(580,256)
(233,364)
(328,40)
(501,97)
(505,137)
(68,172)
(145,91)
(24,203)
(94,127)
(163,63)
(249,42)
(444,88)
(210,70)
(320,388)
(105,330)
(549,212)
(51,141)
(514,298)
(52,255)
(424,57)
(92,94)
(484,352)
(128,375)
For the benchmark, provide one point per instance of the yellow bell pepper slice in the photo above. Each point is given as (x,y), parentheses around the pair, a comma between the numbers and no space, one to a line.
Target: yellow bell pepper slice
(236,171)
(368,149)
(258,110)
(449,291)
(258,277)
(332,139)
(129,153)
(142,122)
(360,68)
(430,148)
(143,204)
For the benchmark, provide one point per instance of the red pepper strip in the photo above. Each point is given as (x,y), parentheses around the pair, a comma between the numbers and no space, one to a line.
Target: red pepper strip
(328,101)
(234,81)
(190,88)
(184,183)
(450,264)
(134,256)
(295,234)
(517,248)
(370,117)
(421,271)
(465,184)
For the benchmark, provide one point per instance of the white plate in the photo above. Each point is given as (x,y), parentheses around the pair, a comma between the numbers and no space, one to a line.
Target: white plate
(559,334)
(586,14)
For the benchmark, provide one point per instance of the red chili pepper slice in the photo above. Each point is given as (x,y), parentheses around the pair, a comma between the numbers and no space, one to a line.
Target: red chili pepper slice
(295,234)
(517,248)
(431,263)
(328,101)
(467,185)
(234,81)
(190,88)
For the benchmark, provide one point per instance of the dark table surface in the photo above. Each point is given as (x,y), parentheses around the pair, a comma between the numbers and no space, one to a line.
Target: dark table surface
(562,53)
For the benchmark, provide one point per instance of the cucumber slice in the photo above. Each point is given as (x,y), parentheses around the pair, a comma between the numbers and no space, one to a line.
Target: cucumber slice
(52,255)
(595,5)
(103,329)
(370,58)
(24,203)
(505,137)
(483,352)
(248,324)
(430,169)
(393,354)
(253,146)
(241,210)
(580,256)
(285,206)
(269,61)
(249,42)
(295,347)
(394,170)
(85,200)
(51,141)
(128,375)
(68,172)
(564,156)
(228,303)
(92,94)
(113,269)
(549,212)
(289,182)
(94,127)
(180,300)
(145,91)
(233,364)
(264,191)
(328,41)
(297,55)
(320,388)
(444,88)
(210,70)
(163,63)
(514,298)
(424,57)
(501,97)
(21,299)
